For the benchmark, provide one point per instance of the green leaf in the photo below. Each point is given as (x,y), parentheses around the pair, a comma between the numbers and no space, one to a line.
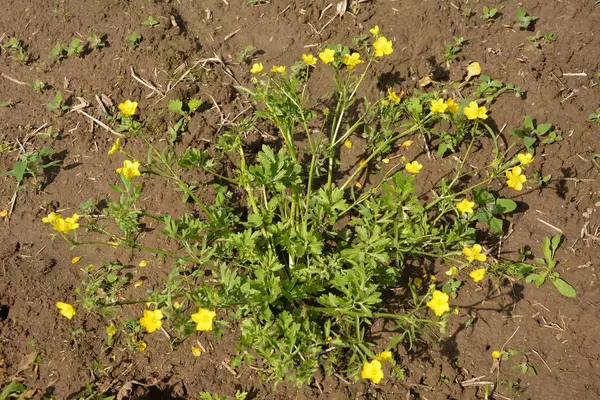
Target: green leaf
(18,171)
(504,206)
(176,106)
(564,288)
(483,197)
(528,123)
(496,225)
(194,104)
(14,387)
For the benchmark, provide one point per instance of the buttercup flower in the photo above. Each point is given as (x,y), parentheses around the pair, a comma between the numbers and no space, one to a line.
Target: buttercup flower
(516,179)
(128,107)
(383,47)
(413,167)
(111,330)
(375,30)
(372,371)
(473,111)
(280,69)
(51,218)
(327,56)
(66,310)
(203,319)
(66,225)
(439,303)
(451,106)
(142,346)
(352,60)
(525,159)
(151,320)
(474,253)
(384,356)
(406,143)
(438,106)
(309,59)
(496,354)
(453,271)
(477,275)
(465,206)
(257,68)
(129,169)
(116,147)
(392,96)
(348,143)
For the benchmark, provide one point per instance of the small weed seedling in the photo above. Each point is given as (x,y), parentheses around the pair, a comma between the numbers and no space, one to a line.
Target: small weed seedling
(32,164)
(97,41)
(17,48)
(58,52)
(595,116)
(539,39)
(489,14)
(185,110)
(75,48)
(544,268)
(491,88)
(8,104)
(255,2)
(134,40)
(532,132)
(452,50)
(540,180)
(57,104)
(245,55)
(61,51)
(239,395)
(37,85)
(524,20)
(151,22)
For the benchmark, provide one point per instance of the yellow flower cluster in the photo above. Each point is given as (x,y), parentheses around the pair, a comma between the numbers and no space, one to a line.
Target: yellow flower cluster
(60,224)
(372,370)
(442,106)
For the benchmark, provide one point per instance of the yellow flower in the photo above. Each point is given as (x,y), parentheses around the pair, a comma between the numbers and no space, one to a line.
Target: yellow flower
(196,351)
(143,264)
(128,107)
(383,47)
(439,106)
(392,96)
(75,260)
(496,354)
(406,143)
(375,30)
(465,206)
(51,218)
(525,159)
(372,371)
(66,310)
(439,303)
(327,56)
(474,69)
(151,320)
(384,356)
(352,60)
(453,271)
(279,69)
(3,213)
(362,163)
(358,185)
(138,284)
(473,111)
(66,225)
(257,68)
(177,305)
(309,59)
(129,169)
(477,274)
(451,106)
(111,330)
(413,167)
(116,147)
(426,81)
(515,178)
(348,143)
(385,161)
(142,346)
(203,319)
(474,253)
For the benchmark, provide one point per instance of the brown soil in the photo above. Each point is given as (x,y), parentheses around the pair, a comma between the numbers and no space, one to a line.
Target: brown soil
(557,336)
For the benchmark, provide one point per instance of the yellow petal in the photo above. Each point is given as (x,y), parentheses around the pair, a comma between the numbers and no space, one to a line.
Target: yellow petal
(496,354)
(196,351)
(143,264)
(358,185)
(348,143)
(385,161)
(142,346)
(474,69)
(75,260)
(138,284)
(3,213)
(426,81)
(407,143)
